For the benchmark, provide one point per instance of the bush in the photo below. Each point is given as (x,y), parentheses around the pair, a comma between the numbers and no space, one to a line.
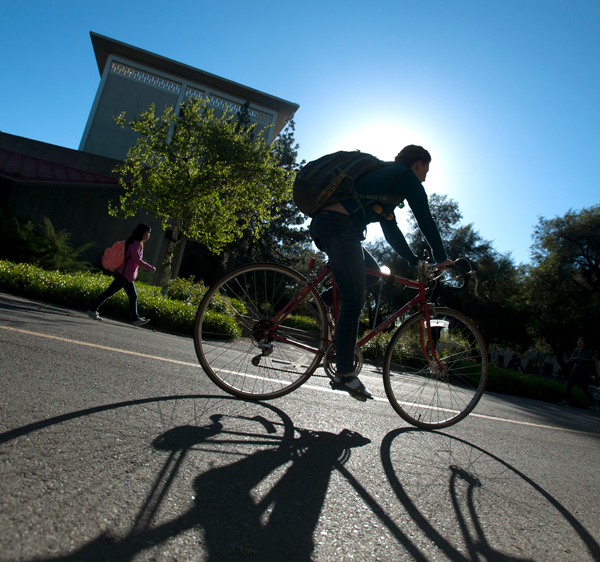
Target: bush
(22,241)
(186,290)
(301,323)
(374,350)
(508,381)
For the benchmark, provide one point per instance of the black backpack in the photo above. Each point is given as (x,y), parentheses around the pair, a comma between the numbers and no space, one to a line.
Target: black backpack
(330,179)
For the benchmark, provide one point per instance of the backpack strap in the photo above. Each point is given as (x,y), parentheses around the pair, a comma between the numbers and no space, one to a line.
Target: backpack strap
(383,198)
(127,256)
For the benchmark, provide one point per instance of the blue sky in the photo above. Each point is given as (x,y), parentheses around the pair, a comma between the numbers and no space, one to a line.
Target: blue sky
(505,95)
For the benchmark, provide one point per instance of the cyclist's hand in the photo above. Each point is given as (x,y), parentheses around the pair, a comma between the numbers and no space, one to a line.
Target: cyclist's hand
(445,265)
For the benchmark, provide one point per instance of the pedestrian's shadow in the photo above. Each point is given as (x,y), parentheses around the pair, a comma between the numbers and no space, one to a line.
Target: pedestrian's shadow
(266,504)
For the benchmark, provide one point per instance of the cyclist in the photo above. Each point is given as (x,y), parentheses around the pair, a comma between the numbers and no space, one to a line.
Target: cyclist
(339,231)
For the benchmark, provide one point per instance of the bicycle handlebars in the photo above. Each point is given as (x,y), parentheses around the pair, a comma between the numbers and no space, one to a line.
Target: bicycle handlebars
(455,278)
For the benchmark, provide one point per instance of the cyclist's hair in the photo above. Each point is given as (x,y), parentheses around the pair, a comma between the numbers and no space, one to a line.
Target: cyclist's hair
(137,234)
(411,154)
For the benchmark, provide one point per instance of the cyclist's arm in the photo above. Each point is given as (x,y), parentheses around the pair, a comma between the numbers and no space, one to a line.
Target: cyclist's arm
(396,240)
(417,199)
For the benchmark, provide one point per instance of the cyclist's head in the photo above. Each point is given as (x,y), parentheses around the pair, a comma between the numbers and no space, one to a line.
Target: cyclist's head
(411,154)
(582,340)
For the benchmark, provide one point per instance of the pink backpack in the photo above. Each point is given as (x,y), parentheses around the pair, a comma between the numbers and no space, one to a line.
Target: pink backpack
(114,256)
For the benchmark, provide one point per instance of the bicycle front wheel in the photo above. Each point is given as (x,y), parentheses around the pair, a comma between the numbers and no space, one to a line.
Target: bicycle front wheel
(244,342)
(435,384)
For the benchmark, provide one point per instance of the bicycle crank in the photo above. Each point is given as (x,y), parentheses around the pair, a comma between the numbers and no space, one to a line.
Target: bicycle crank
(329,360)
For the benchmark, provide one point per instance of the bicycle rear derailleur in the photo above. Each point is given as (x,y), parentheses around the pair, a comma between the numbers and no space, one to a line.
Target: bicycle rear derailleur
(263,339)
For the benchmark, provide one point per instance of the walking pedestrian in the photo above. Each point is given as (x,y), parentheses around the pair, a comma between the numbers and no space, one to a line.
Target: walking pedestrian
(584,367)
(126,274)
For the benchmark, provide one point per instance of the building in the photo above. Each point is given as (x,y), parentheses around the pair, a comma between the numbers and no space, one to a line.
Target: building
(73,188)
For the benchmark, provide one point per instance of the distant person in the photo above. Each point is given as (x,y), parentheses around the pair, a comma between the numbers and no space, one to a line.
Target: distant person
(584,367)
(126,274)
(515,363)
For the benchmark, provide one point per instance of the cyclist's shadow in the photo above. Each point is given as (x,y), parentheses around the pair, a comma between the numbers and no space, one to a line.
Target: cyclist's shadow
(268,503)
(277,522)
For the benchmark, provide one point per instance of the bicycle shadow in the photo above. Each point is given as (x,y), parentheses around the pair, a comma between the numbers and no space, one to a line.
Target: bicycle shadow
(267,503)
(473,482)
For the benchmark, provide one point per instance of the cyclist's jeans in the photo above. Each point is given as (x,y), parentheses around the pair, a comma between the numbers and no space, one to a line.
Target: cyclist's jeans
(119,283)
(341,239)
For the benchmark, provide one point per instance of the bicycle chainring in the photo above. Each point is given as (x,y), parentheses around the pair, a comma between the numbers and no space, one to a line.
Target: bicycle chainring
(329,364)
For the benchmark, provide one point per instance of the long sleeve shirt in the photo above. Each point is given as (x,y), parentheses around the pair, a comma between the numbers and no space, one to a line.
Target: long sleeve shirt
(583,361)
(133,261)
(396,180)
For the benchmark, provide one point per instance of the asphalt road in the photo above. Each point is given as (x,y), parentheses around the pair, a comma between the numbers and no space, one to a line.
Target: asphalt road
(114,445)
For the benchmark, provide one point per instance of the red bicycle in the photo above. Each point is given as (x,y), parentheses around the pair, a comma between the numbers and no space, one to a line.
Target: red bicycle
(435,367)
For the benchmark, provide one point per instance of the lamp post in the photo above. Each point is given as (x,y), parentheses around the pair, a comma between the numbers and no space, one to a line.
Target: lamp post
(386,270)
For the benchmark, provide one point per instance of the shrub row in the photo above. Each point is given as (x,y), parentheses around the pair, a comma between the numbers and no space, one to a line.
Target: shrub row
(175,312)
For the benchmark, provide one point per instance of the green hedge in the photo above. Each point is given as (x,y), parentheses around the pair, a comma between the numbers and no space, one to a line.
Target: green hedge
(77,290)
(508,381)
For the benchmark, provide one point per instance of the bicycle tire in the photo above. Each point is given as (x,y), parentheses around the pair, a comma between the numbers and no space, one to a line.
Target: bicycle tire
(423,394)
(245,301)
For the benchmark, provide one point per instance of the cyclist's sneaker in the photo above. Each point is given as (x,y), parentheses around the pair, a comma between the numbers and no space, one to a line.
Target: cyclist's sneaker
(93,314)
(352,386)
(141,322)
(563,403)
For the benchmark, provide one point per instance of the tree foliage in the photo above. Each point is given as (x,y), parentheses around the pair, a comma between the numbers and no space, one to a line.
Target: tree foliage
(204,176)
(563,280)
(23,241)
(284,240)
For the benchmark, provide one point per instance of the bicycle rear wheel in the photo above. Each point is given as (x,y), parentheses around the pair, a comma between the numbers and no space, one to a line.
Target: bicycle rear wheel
(431,395)
(239,341)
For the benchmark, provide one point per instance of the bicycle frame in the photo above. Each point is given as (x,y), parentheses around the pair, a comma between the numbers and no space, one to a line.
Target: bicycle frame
(420,300)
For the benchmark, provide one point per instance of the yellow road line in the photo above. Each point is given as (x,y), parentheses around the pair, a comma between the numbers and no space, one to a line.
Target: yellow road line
(95,345)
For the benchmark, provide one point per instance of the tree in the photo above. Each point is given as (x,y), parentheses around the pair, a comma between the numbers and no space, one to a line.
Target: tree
(563,281)
(284,240)
(207,179)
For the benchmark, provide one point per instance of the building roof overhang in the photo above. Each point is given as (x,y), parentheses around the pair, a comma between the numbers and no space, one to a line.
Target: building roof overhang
(104,46)
(25,168)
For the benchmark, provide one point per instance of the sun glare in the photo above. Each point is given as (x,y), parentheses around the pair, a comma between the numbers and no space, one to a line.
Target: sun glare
(383,140)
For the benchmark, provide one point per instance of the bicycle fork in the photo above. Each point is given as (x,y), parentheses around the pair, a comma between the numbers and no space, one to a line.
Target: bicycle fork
(431,340)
